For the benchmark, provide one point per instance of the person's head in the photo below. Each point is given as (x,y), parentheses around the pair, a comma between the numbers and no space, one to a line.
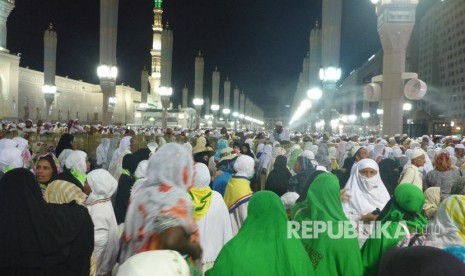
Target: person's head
(279,127)
(362,153)
(202,176)
(302,164)
(78,160)
(459,150)
(237,147)
(442,162)
(418,157)
(368,174)
(127,143)
(46,168)
(130,162)
(245,148)
(244,166)
(28,123)
(101,183)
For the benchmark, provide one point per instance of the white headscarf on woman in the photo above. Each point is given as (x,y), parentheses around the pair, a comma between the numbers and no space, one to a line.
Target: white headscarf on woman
(244,166)
(102,153)
(63,156)
(377,153)
(103,185)
(10,158)
(23,145)
(169,175)
(7,143)
(76,160)
(366,194)
(116,164)
(265,158)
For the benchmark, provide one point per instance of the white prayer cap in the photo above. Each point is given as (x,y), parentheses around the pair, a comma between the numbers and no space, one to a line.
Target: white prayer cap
(417,152)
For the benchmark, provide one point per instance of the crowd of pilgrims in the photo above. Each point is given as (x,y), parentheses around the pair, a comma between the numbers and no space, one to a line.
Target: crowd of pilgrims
(191,209)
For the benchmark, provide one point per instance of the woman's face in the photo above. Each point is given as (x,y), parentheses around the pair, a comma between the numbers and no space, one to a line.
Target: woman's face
(368,172)
(132,145)
(297,167)
(44,171)
(244,149)
(74,145)
(419,161)
(87,164)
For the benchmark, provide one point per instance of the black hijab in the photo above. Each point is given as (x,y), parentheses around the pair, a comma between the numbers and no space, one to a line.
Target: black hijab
(303,191)
(125,183)
(249,151)
(142,154)
(65,142)
(420,260)
(40,238)
(130,163)
(279,177)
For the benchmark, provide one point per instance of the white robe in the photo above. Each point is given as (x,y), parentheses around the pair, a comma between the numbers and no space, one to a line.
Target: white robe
(214,229)
(106,238)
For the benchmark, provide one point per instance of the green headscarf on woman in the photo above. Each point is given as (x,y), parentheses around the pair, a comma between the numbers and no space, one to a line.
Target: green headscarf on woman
(402,212)
(331,255)
(262,246)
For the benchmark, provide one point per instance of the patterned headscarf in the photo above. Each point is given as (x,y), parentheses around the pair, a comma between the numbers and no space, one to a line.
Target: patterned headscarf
(442,162)
(161,201)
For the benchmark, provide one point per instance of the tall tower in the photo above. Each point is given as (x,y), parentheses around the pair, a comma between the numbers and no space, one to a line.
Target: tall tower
(215,94)
(198,87)
(107,70)
(50,57)
(155,75)
(227,97)
(6,6)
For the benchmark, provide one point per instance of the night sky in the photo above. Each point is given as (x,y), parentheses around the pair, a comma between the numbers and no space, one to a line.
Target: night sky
(259,44)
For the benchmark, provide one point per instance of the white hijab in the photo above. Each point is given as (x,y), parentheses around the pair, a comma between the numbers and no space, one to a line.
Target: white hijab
(63,156)
(244,166)
(76,160)
(11,157)
(202,175)
(364,199)
(102,183)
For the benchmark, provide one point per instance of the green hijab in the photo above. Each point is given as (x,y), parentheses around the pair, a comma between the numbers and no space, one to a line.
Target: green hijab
(406,206)
(331,256)
(262,246)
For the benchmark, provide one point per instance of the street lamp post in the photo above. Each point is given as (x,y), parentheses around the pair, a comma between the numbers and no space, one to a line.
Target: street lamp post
(198,102)
(165,94)
(329,77)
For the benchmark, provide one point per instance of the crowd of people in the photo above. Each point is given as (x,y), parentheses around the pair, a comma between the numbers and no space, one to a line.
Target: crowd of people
(232,203)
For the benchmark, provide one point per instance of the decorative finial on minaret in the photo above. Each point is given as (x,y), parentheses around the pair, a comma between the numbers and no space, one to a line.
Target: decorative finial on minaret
(145,68)
(167,25)
(185,85)
(200,54)
(50,27)
(227,78)
(216,68)
(317,25)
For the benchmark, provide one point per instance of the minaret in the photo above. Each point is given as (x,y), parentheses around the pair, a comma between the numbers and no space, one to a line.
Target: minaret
(155,52)
(241,108)
(215,94)
(107,70)
(315,56)
(226,100)
(236,109)
(185,95)
(198,87)
(166,56)
(144,88)
(6,6)
(50,57)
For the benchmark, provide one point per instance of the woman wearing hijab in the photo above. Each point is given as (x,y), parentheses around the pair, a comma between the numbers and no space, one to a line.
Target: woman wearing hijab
(47,169)
(114,143)
(41,239)
(303,168)
(260,148)
(368,196)
(294,153)
(322,157)
(262,246)
(23,146)
(238,191)
(106,238)
(159,215)
(211,215)
(77,166)
(443,174)
(102,153)
(116,165)
(10,158)
(279,177)
(412,173)
(420,261)
(222,144)
(66,142)
(264,166)
(245,150)
(447,228)
(401,218)
(329,255)
(125,183)
(432,201)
